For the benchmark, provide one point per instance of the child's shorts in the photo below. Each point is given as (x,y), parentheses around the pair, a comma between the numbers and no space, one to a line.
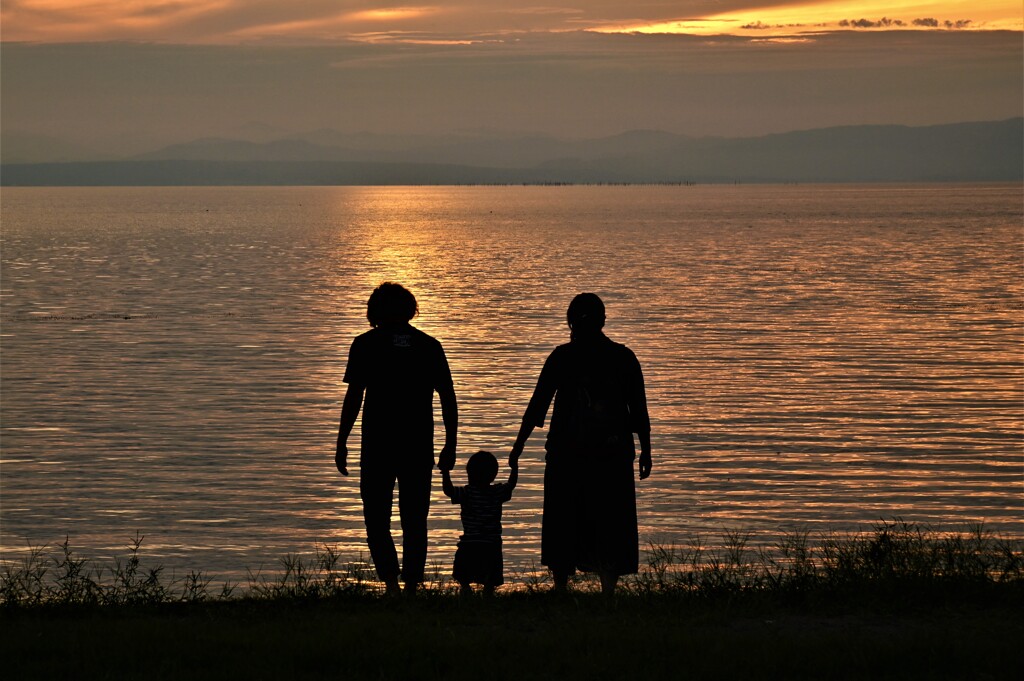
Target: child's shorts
(478,563)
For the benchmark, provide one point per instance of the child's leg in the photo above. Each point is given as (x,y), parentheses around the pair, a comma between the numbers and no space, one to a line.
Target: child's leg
(465,589)
(489,590)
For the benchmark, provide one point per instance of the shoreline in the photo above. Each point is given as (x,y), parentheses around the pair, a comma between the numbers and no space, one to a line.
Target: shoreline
(895,556)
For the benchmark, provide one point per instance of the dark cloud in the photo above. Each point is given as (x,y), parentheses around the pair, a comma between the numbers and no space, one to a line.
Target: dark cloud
(884,22)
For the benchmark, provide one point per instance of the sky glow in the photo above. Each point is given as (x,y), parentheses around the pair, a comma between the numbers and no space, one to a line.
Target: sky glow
(120,77)
(815,17)
(239,21)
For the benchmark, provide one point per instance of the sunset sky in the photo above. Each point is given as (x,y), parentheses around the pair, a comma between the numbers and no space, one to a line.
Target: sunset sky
(125,75)
(234,21)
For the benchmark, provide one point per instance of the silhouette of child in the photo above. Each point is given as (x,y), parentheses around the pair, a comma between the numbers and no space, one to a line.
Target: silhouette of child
(478,556)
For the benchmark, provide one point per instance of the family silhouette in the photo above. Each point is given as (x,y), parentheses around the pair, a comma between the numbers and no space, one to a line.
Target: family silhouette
(589,520)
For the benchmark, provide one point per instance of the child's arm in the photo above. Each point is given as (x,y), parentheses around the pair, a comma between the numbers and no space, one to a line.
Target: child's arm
(513,476)
(446,484)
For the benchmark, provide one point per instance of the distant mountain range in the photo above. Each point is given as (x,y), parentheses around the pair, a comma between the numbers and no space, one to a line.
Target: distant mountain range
(967,152)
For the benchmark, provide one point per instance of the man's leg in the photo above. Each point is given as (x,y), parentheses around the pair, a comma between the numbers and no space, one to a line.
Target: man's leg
(377,490)
(413,506)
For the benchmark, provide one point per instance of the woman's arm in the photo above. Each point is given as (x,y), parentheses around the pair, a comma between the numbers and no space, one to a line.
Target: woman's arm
(640,420)
(538,407)
(517,447)
(645,463)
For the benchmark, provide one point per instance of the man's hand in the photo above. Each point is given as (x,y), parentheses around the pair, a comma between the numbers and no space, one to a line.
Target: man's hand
(645,465)
(446,461)
(341,458)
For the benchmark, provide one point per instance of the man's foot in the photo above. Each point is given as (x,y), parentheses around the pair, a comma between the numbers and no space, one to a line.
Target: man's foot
(391,587)
(410,589)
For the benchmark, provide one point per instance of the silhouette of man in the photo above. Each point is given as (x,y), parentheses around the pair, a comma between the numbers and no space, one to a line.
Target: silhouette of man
(398,368)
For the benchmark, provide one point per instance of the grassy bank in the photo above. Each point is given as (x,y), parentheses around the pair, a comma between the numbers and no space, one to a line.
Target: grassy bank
(899,602)
(518,636)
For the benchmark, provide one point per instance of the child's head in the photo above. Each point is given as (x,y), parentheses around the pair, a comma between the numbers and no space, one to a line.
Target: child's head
(482,468)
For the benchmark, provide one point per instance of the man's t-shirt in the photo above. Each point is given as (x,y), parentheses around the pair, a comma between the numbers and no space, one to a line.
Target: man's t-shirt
(400,367)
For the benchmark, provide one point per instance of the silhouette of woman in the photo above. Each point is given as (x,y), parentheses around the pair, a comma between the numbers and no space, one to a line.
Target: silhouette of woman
(589,520)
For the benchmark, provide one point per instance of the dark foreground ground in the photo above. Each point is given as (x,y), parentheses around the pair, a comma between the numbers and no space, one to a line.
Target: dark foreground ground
(521,636)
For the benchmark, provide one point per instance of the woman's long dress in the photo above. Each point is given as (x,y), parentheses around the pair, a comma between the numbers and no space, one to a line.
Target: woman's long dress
(589,520)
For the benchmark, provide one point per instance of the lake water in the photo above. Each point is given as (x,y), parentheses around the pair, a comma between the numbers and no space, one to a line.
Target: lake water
(817,357)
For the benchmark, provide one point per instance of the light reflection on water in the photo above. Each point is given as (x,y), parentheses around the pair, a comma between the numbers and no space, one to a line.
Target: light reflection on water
(816,357)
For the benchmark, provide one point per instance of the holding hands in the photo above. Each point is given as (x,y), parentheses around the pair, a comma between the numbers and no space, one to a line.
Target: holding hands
(514,454)
(446,461)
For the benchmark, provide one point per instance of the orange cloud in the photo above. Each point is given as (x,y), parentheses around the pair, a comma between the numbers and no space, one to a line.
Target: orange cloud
(814,17)
(391,13)
(231,21)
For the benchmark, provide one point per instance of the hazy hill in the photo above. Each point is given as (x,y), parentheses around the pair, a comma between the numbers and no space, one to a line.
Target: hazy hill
(474,150)
(19,147)
(989,151)
(965,152)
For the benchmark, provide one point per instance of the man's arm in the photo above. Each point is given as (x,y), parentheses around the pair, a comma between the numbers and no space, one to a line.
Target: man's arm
(450,416)
(349,412)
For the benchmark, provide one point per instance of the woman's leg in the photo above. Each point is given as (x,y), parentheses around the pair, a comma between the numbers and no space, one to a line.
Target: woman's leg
(609,580)
(558,528)
(561,579)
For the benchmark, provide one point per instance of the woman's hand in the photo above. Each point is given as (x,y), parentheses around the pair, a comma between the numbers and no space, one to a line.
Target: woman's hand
(645,465)
(341,458)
